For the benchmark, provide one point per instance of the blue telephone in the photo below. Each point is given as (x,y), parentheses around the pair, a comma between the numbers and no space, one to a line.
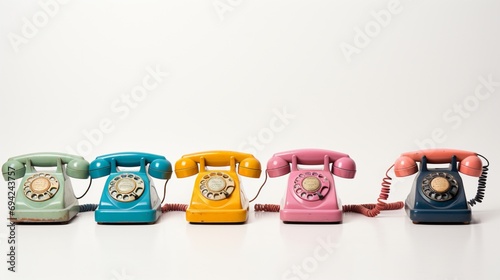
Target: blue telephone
(438,194)
(129,196)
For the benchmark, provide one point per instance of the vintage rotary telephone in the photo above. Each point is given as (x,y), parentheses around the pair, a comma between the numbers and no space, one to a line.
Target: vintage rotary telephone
(311,195)
(438,194)
(45,196)
(129,196)
(217,195)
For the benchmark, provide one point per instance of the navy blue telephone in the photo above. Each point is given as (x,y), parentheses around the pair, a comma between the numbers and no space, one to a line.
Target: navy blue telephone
(438,194)
(129,196)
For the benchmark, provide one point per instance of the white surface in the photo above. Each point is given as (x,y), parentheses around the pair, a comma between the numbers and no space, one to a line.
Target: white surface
(269,77)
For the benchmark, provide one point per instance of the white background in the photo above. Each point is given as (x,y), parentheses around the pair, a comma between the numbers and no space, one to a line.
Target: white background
(230,71)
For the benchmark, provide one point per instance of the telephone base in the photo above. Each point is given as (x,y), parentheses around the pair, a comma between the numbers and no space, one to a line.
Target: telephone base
(441,216)
(226,216)
(311,216)
(117,216)
(41,216)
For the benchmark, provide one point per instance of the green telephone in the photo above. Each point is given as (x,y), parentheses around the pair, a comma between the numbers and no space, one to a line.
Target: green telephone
(45,196)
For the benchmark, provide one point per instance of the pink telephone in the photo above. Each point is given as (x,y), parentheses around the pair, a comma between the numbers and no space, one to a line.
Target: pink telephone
(311,195)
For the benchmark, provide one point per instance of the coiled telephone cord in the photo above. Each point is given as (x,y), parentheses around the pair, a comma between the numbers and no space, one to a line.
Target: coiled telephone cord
(369,210)
(481,185)
(174,207)
(372,210)
(171,206)
(88,207)
(267,207)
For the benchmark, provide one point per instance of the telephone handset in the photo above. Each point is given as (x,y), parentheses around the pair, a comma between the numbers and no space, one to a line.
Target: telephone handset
(311,194)
(217,195)
(470,163)
(45,196)
(129,196)
(437,194)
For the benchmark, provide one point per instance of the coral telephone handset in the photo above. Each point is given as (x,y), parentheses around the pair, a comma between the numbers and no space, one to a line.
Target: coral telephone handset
(437,194)
(217,194)
(311,195)
(129,197)
(45,196)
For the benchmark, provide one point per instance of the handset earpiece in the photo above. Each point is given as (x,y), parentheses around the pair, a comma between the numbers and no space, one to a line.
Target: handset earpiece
(99,168)
(277,166)
(405,166)
(185,167)
(471,165)
(13,165)
(78,168)
(344,167)
(160,169)
(250,167)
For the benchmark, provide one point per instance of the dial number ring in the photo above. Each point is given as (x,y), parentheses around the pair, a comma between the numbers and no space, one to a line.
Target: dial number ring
(40,187)
(217,186)
(126,187)
(439,186)
(311,186)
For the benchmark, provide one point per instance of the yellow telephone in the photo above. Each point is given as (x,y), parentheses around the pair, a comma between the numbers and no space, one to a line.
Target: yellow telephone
(217,196)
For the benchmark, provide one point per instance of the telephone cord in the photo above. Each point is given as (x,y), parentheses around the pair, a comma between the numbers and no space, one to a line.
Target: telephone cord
(182,207)
(88,188)
(174,207)
(261,186)
(481,186)
(267,207)
(164,191)
(171,206)
(88,207)
(370,210)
